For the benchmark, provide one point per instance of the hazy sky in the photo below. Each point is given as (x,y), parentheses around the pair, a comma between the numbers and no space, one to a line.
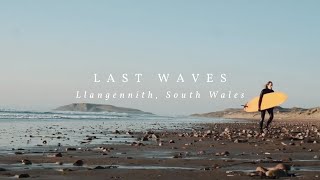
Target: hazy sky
(50,49)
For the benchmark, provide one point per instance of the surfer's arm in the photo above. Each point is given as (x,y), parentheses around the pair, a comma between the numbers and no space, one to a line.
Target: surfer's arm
(260,99)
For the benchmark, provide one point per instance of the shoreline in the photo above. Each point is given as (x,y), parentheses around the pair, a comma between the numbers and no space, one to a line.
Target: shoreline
(208,151)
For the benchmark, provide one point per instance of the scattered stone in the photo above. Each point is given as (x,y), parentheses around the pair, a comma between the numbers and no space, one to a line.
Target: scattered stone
(99,167)
(201,152)
(240,141)
(65,169)
(26,162)
(111,167)
(22,176)
(205,169)
(139,144)
(78,163)
(225,153)
(58,155)
(280,170)
(2,169)
(71,149)
(261,169)
(149,132)
(216,166)
(276,173)
(59,163)
(179,155)
(171,141)
(154,136)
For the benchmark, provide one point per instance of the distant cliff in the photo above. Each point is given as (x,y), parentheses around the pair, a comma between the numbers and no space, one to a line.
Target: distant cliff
(87,107)
(279,112)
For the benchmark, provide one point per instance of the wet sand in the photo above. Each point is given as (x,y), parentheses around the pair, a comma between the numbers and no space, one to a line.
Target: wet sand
(209,151)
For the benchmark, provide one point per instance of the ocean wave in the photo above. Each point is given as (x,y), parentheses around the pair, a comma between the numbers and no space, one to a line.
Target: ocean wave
(18,114)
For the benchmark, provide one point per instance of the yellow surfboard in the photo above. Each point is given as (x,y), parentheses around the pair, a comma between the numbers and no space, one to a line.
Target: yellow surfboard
(268,101)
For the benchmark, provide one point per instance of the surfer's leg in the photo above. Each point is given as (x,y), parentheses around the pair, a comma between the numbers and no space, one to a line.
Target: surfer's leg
(270,112)
(263,113)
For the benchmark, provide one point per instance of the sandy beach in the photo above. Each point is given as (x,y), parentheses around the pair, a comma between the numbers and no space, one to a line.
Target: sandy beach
(159,90)
(208,151)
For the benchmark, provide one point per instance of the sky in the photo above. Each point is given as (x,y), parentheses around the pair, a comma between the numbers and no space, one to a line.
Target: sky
(51,49)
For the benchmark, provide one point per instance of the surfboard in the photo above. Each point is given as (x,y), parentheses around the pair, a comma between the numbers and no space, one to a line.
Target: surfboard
(268,101)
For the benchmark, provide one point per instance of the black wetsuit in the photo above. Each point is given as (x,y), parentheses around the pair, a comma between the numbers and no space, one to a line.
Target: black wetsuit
(263,112)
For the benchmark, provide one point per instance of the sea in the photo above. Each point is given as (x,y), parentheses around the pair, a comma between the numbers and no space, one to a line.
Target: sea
(28,129)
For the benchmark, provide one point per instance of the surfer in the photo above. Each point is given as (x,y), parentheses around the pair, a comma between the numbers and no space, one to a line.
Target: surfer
(266,90)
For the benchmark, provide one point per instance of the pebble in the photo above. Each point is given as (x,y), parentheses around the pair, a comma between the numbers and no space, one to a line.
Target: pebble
(240,141)
(178,155)
(216,166)
(26,162)
(2,169)
(65,169)
(139,144)
(99,167)
(276,173)
(71,149)
(154,136)
(205,169)
(22,176)
(225,153)
(59,163)
(201,152)
(58,155)
(78,163)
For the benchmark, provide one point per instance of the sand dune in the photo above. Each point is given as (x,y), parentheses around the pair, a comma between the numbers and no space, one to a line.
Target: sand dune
(280,113)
